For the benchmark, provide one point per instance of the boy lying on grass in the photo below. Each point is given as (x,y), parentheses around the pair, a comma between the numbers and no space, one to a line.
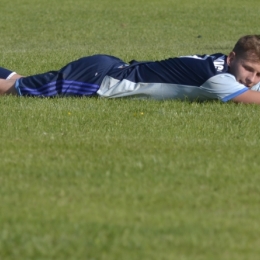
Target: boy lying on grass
(198,77)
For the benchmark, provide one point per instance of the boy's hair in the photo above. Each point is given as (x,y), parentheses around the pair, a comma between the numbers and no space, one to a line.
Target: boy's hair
(248,47)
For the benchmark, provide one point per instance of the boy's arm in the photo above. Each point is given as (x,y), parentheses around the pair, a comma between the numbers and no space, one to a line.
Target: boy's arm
(248,97)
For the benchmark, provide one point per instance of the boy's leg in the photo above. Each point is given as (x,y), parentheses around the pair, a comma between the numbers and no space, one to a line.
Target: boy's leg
(8,74)
(81,77)
(7,87)
(15,76)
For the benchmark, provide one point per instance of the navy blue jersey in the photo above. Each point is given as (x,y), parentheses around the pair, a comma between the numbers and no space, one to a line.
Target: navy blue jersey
(188,70)
(189,77)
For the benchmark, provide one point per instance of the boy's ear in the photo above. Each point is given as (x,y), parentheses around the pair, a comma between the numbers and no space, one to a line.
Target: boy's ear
(230,57)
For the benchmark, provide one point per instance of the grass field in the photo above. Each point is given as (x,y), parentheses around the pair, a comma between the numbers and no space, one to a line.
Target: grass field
(102,179)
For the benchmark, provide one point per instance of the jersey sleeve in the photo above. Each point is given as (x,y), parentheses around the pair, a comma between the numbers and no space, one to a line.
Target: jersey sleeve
(223,87)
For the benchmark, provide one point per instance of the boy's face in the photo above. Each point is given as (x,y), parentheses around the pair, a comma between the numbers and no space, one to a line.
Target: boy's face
(246,71)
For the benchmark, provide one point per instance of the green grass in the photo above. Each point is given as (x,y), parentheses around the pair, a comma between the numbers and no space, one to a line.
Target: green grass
(126,179)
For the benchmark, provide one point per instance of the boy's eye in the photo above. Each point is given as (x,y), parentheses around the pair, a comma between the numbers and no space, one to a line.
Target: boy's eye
(249,68)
